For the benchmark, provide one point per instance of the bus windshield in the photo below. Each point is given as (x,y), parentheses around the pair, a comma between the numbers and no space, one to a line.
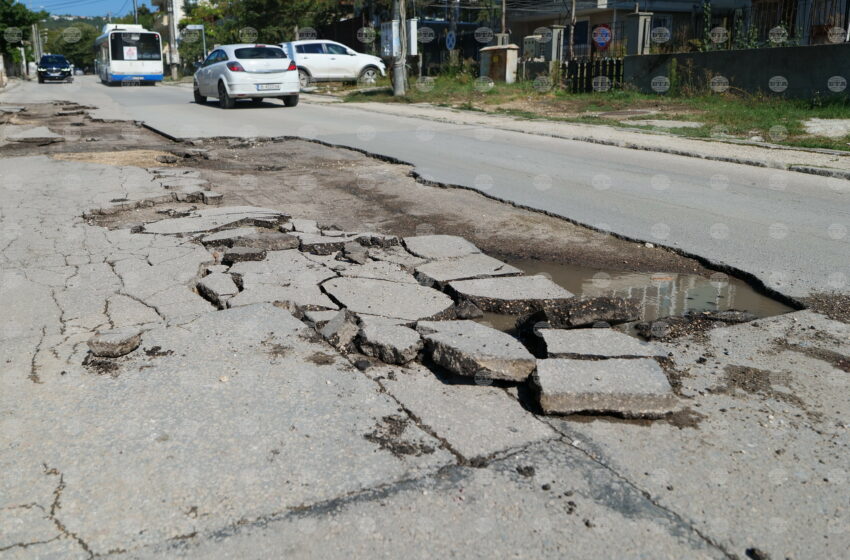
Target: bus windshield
(135,46)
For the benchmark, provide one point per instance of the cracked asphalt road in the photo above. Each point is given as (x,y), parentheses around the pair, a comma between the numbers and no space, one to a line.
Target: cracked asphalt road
(239,433)
(782,227)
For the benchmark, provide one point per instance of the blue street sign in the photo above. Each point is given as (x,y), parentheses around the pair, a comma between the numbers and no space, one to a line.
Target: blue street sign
(451,40)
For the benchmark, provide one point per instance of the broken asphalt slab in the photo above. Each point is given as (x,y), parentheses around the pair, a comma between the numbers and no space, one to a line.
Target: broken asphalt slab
(471,349)
(389,299)
(476,265)
(510,295)
(212,219)
(633,388)
(595,343)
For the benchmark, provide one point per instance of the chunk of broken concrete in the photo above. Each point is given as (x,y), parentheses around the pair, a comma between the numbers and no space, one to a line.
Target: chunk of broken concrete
(341,331)
(392,344)
(217,287)
(390,299)
(477,265)
(474,350)
(227,237)
(303,297)
(214,219)
(321,244)
(396,255)
(580,312)
(375,269)
(270,241)
(512,295)
(468,310)
(37,135)
(319,318)
(305,226)
(595,343)
(355,252)
(372,239)
(436,247)
(243,254)
(631,388)
(115,343)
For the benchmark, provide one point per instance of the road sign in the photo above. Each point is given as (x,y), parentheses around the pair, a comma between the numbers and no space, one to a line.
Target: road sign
(451,40)
(195,26)
(602,36)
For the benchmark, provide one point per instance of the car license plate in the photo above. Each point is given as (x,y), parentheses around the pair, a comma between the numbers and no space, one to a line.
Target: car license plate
(264,87)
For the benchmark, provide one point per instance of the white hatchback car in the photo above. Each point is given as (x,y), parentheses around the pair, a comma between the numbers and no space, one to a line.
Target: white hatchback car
(245,71)
(325,61)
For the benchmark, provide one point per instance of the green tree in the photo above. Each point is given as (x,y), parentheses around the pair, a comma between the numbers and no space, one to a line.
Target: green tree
(75,41)
(15,26)
(146,17)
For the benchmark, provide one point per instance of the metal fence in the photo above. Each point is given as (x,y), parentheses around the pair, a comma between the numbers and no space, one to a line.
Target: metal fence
(585,76)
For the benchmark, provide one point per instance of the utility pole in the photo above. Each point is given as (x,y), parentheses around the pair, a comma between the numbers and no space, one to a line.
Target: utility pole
(172,40)
(399,62)
(504,11)
(135,12)
(573,31)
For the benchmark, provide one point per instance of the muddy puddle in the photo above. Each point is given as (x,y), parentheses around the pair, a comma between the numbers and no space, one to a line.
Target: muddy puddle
(661,294)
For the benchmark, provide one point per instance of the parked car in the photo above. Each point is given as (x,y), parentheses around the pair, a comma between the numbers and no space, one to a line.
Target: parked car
(54,67)
(244,71)
(324,61)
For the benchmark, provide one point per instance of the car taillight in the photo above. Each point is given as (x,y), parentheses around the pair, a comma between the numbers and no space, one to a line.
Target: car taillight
(235,67)
(292,66)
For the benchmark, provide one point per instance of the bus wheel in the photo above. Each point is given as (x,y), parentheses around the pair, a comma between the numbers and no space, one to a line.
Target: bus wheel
(224,99)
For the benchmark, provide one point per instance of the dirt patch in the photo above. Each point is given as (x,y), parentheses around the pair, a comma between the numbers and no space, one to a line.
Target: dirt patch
(759,382)
(833,305)
(356,192)
(276,350)
(138,158)
(838,361)
(321,359)
(101,366)
(388,435)
(157,352)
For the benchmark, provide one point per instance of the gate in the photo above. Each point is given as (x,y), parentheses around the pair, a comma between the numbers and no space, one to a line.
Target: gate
(585,76)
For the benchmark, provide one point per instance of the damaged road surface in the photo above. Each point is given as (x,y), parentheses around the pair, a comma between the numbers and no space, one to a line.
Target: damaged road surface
(191,370)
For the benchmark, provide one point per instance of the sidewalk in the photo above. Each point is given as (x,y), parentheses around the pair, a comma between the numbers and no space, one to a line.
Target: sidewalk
(818,162)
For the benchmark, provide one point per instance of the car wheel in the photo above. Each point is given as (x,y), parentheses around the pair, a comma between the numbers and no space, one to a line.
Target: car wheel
(304,78)
(368,76)
(224,99)
(40,80)
(199,99)
(290,100)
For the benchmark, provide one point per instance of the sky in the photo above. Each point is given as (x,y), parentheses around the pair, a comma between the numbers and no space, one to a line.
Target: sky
(84,7)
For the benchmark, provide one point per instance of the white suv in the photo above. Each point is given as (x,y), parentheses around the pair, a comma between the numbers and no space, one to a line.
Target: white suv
(245,71)
(330,61)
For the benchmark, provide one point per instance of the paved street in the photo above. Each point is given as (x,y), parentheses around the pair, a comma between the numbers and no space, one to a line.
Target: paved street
(193,367)
(787,229)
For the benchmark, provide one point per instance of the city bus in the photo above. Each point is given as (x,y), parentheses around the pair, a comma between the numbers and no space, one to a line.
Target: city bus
(128,53)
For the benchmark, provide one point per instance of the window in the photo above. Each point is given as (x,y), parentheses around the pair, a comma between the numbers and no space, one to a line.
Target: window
(135,46)
(259,52)
(310,48)
(335,49)
(215,56)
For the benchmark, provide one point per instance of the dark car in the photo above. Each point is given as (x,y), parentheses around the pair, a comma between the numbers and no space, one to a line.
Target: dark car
(54,67)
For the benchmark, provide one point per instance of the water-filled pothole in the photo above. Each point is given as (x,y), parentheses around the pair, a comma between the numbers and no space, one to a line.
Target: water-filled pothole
(661,294)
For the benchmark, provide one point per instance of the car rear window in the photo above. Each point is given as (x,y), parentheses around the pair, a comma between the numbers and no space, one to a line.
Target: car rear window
(248,53)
